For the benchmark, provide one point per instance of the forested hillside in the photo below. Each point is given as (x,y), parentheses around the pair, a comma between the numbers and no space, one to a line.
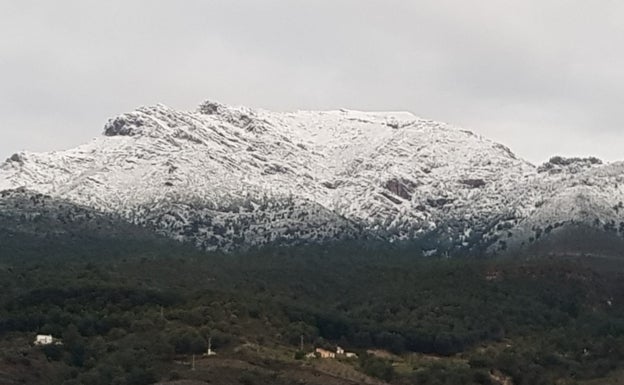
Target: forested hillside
(139,318)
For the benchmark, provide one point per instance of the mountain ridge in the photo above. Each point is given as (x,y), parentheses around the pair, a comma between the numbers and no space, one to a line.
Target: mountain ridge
(224,177)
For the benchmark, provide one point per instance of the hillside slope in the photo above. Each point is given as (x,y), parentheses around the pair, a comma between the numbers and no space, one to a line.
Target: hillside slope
(38,227)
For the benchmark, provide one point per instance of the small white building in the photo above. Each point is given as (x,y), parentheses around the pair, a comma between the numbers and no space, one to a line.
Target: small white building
(325,353)
(44,339)
(340,352)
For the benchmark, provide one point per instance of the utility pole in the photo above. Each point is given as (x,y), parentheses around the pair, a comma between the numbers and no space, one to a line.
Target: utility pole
(301,343)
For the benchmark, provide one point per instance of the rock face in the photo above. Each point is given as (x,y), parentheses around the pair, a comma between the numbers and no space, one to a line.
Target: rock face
(224,177)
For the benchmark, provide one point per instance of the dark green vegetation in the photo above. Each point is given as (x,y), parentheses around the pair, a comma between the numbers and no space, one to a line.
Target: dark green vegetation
(36,227)
(137,317)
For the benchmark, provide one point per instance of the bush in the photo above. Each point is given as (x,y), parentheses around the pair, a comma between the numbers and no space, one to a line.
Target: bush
(376,367)
(188,341)
(53,352)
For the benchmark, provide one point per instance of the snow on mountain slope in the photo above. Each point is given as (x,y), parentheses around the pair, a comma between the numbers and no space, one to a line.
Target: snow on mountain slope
(584,193)
(225,176)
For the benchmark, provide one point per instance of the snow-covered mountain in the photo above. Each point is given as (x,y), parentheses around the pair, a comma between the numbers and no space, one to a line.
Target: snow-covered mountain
(224,177)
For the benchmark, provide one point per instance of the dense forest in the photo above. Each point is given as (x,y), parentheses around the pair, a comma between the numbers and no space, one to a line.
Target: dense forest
(148,314)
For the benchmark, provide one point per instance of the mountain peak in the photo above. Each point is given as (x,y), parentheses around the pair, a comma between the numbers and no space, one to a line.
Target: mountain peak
(141,121)
(209,107)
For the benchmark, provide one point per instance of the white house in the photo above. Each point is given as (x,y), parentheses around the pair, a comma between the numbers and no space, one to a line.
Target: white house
(325,353)
(340,352)
(44,339)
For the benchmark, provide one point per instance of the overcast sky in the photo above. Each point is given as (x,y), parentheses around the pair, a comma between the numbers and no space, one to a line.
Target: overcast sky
(543,77)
